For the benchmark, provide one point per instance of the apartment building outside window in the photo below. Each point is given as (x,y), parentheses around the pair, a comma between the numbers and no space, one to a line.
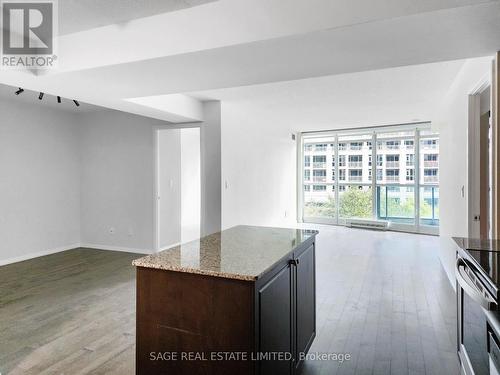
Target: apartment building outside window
(319,161)
(307,174)
(405,189)
(319,175)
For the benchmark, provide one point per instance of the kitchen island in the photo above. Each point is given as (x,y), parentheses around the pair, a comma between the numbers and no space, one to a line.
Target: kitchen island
(240,301)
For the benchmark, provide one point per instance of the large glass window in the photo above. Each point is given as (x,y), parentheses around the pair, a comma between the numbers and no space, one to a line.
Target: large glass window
(405,190)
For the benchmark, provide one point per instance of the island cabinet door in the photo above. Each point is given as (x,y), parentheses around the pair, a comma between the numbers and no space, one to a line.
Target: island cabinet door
(305,302)
(274,315)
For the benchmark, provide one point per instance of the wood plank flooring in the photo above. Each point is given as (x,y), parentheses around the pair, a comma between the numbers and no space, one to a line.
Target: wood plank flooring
(382,298)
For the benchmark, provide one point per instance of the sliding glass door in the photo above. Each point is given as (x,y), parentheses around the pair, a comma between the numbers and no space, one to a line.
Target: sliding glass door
(389,174)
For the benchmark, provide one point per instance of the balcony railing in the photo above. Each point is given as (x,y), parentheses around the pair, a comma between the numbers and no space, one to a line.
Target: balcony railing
(355,178)
(431,163)
(426,146)
(355,164)
(319,178)
(392,164)
(392,178)
(431,179)
(319,164)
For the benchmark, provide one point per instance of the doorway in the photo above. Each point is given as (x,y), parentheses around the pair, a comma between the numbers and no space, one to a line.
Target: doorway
(480,163)
(178,186)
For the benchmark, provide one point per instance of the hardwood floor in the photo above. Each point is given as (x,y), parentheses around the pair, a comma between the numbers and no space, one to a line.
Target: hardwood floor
(382,298)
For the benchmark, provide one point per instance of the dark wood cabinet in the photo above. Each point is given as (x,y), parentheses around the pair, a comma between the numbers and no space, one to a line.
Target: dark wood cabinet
(275,321)
(181,312)
(286,312)
(305,303)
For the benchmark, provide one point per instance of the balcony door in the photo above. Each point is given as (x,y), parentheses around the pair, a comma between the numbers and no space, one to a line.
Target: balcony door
(389,173)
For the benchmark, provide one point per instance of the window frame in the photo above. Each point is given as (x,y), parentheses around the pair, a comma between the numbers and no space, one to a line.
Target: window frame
(409,142)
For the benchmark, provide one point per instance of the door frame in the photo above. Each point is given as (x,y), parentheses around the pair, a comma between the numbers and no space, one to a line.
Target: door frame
(473,155)
(156,179)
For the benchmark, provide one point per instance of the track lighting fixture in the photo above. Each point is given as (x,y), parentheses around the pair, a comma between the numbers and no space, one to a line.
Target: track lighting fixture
(41,94)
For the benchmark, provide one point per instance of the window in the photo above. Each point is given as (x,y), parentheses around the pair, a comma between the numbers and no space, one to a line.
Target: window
(342,174)
(392,161)
(319,161)
(410,174)
(355,161)
(392,175)
(392,145)
(392,157)
(431,160)
(430,157)
(319,175)
(344,183)
(356,146)
(429,144)
(355,175)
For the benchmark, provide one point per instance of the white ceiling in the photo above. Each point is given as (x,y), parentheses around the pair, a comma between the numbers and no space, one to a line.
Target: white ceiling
(80,15)
(387,96)
(233,43)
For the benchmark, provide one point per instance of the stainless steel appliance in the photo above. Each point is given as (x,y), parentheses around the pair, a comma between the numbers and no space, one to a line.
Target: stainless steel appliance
(478,283)
(494,349)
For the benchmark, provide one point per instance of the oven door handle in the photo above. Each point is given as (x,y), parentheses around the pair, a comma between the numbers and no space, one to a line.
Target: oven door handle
(468,286)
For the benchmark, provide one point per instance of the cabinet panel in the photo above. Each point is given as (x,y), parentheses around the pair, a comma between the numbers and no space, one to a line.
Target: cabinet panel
(275,321)
(305,300)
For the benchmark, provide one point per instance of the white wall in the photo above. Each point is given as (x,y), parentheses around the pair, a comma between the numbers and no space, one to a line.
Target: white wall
(452,124)
(258,168)
(169,187)
(211,161)
(190,184)
(117,175)
(39,180)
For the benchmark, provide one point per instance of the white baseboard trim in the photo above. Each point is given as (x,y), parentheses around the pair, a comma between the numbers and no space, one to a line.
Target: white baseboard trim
(169,246)
(116,248)
(37,254)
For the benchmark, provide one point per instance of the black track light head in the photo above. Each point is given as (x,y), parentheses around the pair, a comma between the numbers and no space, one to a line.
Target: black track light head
(40,96)
(76,103)
(59,99)
(19,91)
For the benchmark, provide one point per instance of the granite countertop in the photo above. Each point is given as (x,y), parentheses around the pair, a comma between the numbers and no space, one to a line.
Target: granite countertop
(241,252)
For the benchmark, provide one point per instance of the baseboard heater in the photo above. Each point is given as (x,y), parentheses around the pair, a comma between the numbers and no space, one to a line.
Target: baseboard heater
(368,224)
